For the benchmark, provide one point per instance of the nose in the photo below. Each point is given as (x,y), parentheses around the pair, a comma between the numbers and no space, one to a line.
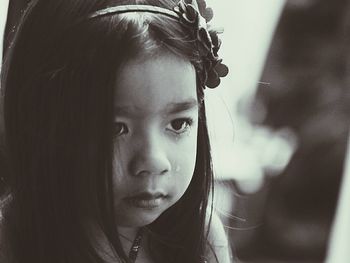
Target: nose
(150,157)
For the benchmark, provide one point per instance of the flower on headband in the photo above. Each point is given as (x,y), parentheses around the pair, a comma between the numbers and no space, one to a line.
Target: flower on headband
(205,11)
(207,38)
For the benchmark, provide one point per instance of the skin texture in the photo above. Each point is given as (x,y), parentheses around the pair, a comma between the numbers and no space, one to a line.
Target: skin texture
(156,119)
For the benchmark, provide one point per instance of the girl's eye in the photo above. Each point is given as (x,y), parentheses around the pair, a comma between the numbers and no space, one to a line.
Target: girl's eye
(180,125)
(120,129)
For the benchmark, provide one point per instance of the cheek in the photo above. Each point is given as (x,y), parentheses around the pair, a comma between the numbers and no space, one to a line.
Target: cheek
(184,161)
(120,159)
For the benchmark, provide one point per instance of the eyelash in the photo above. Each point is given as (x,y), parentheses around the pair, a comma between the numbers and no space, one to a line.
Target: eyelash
(188,123)
(121,128)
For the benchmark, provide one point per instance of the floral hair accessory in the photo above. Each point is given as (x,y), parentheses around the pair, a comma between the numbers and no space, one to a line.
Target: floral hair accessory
(194,17)
(208,42)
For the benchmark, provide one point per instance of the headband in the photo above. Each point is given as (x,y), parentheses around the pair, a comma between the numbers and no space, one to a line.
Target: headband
(188,14)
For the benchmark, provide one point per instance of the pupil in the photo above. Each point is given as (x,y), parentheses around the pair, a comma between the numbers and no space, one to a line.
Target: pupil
(178,124)
(119,128)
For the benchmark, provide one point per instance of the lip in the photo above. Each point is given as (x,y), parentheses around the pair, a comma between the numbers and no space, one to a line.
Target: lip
(146,200)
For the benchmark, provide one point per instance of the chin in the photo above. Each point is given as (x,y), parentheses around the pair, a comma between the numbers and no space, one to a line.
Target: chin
(139,219)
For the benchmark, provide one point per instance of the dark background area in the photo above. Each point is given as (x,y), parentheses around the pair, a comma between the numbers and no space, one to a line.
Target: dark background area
(308,71)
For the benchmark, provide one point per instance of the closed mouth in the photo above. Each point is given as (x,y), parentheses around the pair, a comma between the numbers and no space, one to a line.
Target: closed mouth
(146,200)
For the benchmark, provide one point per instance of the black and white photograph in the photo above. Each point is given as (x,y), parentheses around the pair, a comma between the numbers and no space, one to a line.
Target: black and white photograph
(174,131)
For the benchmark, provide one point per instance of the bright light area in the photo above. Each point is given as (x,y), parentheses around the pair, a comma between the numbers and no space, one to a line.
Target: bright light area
(3,15)
(340,236)
(241,151)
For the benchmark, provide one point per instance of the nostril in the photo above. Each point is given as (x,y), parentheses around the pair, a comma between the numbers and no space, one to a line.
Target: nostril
(164,172)
(150,161)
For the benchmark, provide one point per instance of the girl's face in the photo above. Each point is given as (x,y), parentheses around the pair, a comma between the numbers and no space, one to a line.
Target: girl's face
(155,124)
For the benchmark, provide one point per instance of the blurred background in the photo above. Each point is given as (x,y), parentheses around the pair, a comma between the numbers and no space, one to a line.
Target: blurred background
(279,123)
(290,125)
(309,93)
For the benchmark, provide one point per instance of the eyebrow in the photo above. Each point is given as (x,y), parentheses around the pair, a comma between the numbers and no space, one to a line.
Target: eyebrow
(171,108)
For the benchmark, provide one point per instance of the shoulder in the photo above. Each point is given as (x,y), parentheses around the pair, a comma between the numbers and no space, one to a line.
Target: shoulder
(218,248)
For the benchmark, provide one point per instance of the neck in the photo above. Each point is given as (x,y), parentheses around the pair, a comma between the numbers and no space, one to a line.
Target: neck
(127,236)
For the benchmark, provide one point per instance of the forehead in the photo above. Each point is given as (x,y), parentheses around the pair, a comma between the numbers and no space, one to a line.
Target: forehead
(152,83)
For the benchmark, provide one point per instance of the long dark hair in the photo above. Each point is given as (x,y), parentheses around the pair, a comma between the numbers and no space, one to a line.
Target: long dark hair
(59,77)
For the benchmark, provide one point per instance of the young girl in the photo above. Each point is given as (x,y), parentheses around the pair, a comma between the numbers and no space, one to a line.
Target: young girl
(106,134)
